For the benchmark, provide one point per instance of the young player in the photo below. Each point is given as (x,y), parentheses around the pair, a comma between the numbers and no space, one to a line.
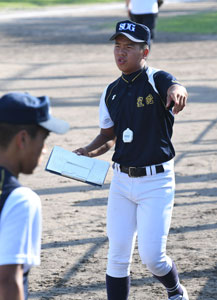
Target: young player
(137,115)
(25,123)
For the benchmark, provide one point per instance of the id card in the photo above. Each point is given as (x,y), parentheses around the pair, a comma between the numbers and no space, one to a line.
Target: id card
(127,135)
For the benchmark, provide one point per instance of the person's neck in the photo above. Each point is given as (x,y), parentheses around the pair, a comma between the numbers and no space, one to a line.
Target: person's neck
(133,72)
(140,68)
(129,78)
(8,164)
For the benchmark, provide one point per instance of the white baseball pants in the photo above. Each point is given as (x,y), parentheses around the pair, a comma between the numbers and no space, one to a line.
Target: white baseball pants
(140,207)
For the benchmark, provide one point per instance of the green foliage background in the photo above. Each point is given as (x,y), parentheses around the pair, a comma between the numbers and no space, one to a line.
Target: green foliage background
(39,3)
(201,23)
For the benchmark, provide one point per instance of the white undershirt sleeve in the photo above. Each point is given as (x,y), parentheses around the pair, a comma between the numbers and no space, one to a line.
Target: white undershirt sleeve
(105,120)
(20,229)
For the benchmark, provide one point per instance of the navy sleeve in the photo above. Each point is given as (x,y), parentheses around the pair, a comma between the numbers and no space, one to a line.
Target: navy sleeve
(163,81)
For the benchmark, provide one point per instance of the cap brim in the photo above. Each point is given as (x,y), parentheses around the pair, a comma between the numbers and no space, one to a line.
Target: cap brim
(130,37)
(55,125)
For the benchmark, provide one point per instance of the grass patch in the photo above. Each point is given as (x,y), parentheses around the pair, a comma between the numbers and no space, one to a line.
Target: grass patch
(201,23)
(13,4)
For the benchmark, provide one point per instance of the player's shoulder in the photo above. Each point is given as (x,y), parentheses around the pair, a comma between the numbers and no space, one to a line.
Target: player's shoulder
(110,89)
(24,190)
(150,71)
(114,83)
(160,76)
(158,73)
(151,76)
(110,86)
(25,197)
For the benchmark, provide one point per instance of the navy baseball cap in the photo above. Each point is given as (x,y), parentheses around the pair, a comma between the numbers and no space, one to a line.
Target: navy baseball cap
(136,32)
(22,108)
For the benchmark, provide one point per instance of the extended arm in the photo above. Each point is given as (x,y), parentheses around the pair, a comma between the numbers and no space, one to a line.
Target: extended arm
(11,282)
(177,94)
(101,144)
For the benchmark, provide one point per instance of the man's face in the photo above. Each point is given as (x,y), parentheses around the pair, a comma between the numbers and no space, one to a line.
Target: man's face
(34,148)
(129,56)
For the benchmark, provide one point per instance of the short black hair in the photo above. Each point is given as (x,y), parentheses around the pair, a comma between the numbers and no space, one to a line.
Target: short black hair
(8,131)
(143,45)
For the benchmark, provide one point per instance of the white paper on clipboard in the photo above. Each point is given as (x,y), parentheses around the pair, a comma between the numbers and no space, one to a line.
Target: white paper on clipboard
(78,167)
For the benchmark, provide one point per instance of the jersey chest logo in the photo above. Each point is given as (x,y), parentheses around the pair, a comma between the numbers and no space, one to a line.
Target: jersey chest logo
(140,102)
(148,100)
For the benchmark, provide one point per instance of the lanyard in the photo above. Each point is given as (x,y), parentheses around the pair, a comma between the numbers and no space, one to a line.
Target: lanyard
(127,135)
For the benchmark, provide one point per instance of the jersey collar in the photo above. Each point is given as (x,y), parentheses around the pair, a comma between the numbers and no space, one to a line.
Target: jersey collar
(132,77)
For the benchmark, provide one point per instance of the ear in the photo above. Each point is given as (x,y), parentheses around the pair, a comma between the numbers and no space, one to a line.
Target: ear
(145,53)
(21,139)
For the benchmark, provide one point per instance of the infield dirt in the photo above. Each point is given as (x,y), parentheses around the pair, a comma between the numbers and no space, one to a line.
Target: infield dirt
(69,58)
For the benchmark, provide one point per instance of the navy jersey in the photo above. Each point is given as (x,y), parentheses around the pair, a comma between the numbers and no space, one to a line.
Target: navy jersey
(138,101)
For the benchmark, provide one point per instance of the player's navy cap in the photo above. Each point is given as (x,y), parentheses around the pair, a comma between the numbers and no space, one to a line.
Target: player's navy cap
(136,32)
(22,108)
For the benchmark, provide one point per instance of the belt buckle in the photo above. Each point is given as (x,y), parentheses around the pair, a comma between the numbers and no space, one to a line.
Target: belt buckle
(130,173)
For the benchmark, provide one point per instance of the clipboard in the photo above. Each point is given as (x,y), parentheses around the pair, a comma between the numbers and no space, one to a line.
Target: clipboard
(78,167)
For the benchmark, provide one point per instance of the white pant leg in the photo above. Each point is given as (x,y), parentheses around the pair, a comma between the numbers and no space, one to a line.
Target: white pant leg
(121,226)
(154,214)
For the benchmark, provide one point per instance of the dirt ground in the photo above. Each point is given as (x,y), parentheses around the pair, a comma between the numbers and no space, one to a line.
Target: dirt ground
(68,57)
